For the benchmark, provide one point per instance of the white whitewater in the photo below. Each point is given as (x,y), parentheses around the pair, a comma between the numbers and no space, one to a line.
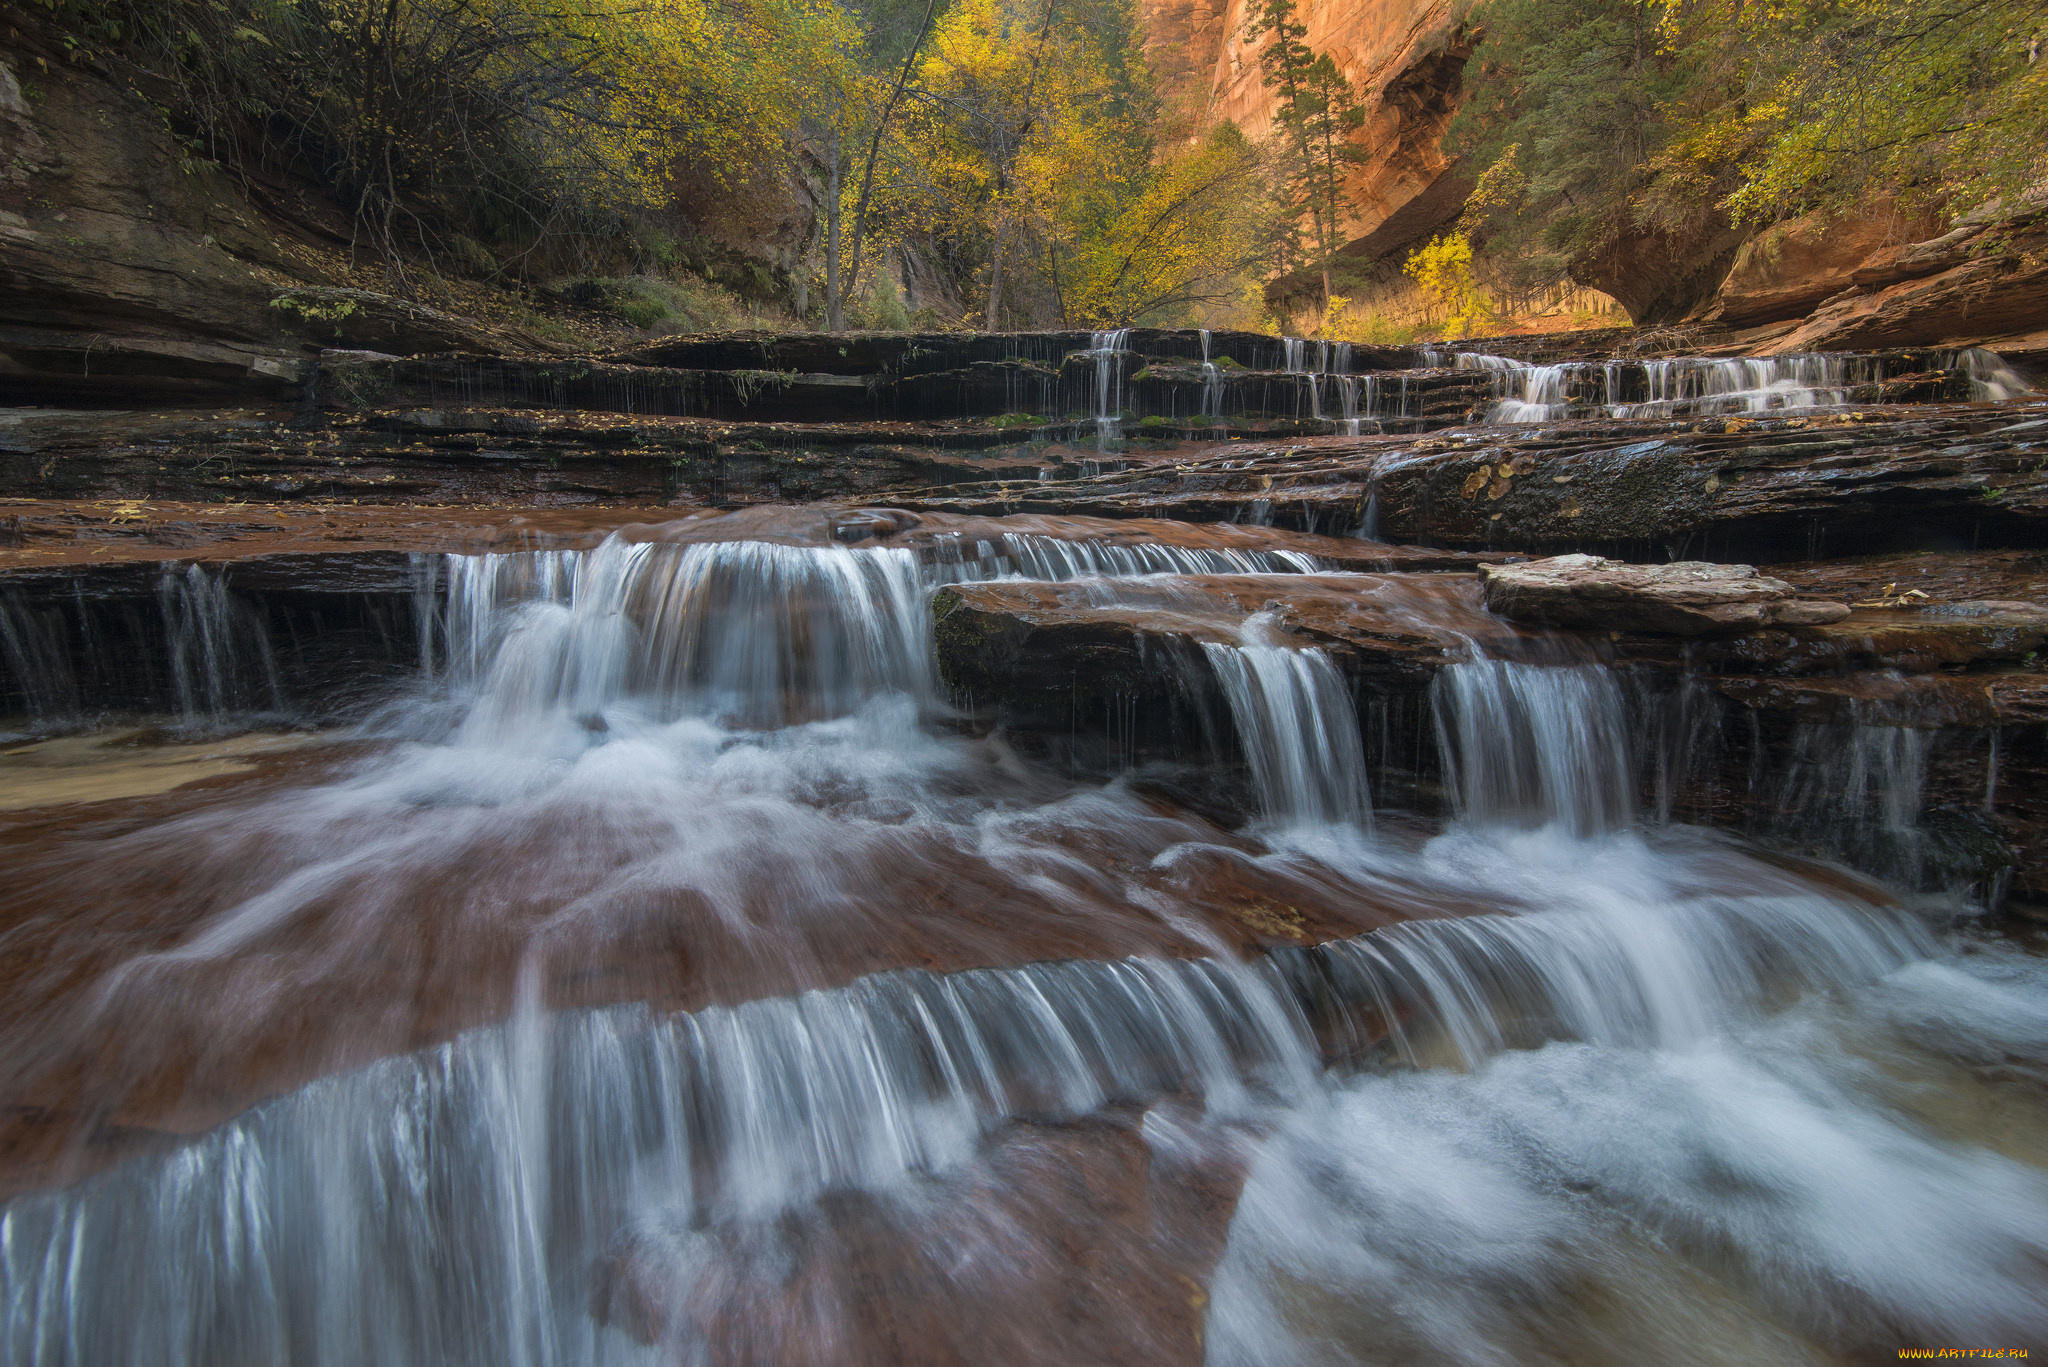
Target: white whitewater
(1298,728)
(1691,386)
(1109,349)
(1666,1102)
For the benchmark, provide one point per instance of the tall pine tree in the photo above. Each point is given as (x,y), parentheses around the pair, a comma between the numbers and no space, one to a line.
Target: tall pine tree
(1317,111)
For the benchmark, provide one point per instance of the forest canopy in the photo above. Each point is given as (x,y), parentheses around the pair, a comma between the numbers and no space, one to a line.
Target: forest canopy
(1020,144)
(1597,120)
(1015,162)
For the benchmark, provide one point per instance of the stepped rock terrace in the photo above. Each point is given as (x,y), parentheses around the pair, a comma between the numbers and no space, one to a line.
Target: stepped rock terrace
(1150,847)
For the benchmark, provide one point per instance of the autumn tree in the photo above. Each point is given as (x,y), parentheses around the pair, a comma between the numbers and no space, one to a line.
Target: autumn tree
(1316,113)
(1183,231)
(1616,118)
(481,133)
(1040,157)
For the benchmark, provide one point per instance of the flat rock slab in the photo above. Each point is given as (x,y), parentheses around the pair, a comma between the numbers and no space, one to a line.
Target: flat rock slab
(1688,598)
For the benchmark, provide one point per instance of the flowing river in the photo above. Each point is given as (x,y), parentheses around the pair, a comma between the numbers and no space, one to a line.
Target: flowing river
(673,973)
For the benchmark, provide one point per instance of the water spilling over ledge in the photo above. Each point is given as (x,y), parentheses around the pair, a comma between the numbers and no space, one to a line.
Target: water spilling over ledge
(868,933)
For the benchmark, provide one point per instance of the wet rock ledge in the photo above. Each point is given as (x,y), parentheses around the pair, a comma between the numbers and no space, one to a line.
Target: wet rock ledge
(1782,708)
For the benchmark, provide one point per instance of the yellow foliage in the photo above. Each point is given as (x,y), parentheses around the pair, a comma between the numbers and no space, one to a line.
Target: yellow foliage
(1443,267)
(1040,143)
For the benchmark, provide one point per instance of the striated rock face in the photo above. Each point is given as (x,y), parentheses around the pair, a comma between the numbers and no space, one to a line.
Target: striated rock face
(1689,598)
(1823,283)
(1405,57)
(1987,281)
(1776,489)
(129,271)
(1787,269)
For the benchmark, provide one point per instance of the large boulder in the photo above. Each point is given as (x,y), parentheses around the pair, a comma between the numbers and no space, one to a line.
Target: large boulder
(1787,269)
(1689,598)
(130,270)
(1983,283)
(1661,276)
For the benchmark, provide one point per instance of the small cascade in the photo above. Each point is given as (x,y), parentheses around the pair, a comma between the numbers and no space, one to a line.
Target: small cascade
(220,656)
(1212,383)
(1539,397)
(747,631)
(38,661)
(1527,744)
(1991,379)
(1687,386)
(1045,557)
(467,1192)
(1347,395)
(1298,727)
(572,1176)
(1854,791)
(1752,384)
(1294,355)
(449,1208)
(1108,349)
(1369,521)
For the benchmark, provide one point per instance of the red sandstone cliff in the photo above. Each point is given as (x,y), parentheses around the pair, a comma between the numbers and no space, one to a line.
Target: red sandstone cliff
(1403,56)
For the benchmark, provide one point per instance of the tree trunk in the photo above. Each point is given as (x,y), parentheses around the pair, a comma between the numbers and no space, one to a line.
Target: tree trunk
(867,182)
(835,303)
(995,280)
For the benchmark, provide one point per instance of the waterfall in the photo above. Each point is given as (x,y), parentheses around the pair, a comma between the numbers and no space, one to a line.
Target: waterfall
(1298,728)
(1538,744)
(1369,521)
(1293,355)
(1854,790)
(451,1207)
(596,1186)
(216,645)
(1540,396)
(458,1205)
(1991,379)
(748,631)
(37,659)
(1347,396)
(1752,384)
(1045,557)
(1108,349)
(1693,385)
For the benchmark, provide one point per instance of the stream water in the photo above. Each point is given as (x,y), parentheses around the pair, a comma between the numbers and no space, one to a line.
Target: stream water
(673,977)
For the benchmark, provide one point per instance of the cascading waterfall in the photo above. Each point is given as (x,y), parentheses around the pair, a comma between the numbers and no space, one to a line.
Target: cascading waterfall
(1212,383)
(1692,385)
(216,644)
(1298,728)
(1530,743)
(33,648)
(1449,1128)
(1347,395)
(1108,350)
(1540,398)
(1991,379)
(748,631)
(1751,384)
(444,1208)
(438,1209)
(1855,789)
